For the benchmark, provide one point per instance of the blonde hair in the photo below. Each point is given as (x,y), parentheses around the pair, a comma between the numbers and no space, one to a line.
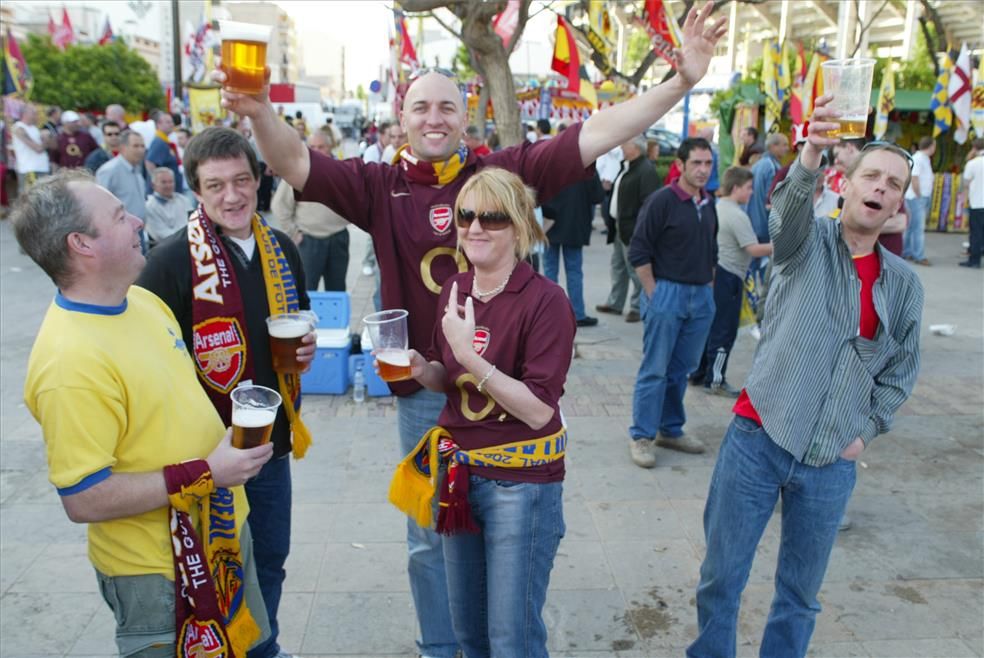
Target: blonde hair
(495,189)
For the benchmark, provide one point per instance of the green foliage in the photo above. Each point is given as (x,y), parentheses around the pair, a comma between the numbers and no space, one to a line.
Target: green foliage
(462,64)
(636,50)
(914,72)
(91,77)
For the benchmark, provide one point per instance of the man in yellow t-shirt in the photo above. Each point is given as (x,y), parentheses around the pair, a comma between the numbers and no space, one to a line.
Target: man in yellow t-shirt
(114,390)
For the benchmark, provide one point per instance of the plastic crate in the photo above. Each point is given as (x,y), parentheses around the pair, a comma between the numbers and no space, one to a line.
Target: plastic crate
(375,387)
(329,373)
(333,309)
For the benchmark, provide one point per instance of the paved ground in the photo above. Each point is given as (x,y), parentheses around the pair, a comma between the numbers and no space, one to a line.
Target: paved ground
(905,581)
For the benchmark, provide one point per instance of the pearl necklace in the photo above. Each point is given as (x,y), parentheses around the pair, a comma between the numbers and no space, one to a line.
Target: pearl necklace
(476,292)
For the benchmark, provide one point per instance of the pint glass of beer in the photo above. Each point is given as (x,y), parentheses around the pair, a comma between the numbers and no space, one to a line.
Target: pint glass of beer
(388,332)
(254,408)
(244,55)
(286,332)
(849,82)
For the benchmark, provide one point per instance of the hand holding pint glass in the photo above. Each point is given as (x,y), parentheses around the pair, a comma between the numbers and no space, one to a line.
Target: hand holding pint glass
(388,333)
(254,409)
(287,331)
(244,48)
(849,82)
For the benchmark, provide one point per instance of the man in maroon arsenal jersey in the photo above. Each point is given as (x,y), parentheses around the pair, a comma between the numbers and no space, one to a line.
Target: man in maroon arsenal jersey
(407,210)
(502,346)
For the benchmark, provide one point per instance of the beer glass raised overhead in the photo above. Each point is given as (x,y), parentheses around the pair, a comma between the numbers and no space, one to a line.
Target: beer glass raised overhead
(244,48)
(254,409)
(849,82)
(286,333)
(388,333)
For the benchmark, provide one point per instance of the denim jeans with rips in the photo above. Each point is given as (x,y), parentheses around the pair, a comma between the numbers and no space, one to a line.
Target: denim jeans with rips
(497,578)
(751,473)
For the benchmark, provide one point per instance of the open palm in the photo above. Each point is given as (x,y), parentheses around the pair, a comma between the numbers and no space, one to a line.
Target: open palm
(699,39)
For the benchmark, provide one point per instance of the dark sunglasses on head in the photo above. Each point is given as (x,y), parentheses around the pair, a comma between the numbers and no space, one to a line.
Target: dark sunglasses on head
(490,221)
(888,146)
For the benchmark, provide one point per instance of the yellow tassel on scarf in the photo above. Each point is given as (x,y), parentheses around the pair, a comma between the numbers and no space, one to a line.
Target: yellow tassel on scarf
(415,480)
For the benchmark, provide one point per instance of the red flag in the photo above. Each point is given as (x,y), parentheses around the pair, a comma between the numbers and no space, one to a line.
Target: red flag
(64,34)
(52,28)
(407,53)
(107,35)
(567,62)
(504,24)
(17,77)
(664,33)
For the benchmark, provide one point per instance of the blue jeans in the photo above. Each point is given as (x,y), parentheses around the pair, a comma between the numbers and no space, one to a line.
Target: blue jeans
(750,474)
(572,272)
(497,578)
(269,495)
(325,258)
(915,233)
(675,324)
(418,413)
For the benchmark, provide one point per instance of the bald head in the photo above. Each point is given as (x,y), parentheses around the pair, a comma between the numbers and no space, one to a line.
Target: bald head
(433,117)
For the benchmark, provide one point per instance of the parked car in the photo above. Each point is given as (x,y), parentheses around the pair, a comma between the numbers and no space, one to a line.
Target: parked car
(667,140)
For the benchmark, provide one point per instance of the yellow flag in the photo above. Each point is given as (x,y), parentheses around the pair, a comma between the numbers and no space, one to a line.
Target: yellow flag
(886,100)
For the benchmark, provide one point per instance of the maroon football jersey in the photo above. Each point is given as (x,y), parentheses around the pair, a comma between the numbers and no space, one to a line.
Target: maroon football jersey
(412,225)
(527,332)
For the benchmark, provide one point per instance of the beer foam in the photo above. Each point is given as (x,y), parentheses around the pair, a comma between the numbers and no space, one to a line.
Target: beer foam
(394,357)
(236,31)
(288,328)
(253,417)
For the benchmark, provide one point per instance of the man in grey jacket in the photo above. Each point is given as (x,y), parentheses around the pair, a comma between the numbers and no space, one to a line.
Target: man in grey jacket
(839,355)
(636,181)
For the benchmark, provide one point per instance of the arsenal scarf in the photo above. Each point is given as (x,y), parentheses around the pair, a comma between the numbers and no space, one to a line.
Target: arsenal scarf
(211,615)
(219,342)
(433,173)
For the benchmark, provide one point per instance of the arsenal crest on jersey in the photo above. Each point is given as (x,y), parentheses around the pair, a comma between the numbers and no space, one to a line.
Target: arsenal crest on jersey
(481,339)
(220,352)
(441,218)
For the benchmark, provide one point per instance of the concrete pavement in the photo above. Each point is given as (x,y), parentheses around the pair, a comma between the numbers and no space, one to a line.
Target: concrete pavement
(905,581)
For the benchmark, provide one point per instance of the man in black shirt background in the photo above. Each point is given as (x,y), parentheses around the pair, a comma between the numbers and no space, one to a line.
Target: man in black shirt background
(674,251)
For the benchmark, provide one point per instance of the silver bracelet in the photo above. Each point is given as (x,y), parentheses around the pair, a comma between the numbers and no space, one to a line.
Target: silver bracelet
(485,378)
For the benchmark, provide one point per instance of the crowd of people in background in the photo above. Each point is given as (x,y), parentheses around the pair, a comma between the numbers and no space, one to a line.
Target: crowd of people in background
(269,199)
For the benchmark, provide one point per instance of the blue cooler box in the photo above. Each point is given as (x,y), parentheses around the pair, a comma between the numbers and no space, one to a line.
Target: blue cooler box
(375,387)
(329,373)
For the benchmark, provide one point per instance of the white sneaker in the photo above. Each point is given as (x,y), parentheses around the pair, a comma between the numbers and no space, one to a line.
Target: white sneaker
(643,452)
(755,332)
(367,270)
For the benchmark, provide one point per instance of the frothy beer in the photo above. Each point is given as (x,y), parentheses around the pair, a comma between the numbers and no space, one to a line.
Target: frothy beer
(286,334)
(394,365)
(244,55)
(252,427)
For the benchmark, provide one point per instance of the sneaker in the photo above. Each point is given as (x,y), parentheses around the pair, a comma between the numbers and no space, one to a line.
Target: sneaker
(755,332)
(643,453)
(967,263)
(587,321)
(724,389)
(924,262)
(632,316)
(368,270)
(605,308)
(845,523)
(682,443)
(284,654)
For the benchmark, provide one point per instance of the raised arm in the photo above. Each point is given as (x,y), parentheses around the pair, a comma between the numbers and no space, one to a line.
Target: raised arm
(619,123)
(792,218)
(282,148)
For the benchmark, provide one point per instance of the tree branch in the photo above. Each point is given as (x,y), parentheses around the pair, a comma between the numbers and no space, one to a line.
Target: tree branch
(524,16)
(421,6)
(866,27)
(447,27)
